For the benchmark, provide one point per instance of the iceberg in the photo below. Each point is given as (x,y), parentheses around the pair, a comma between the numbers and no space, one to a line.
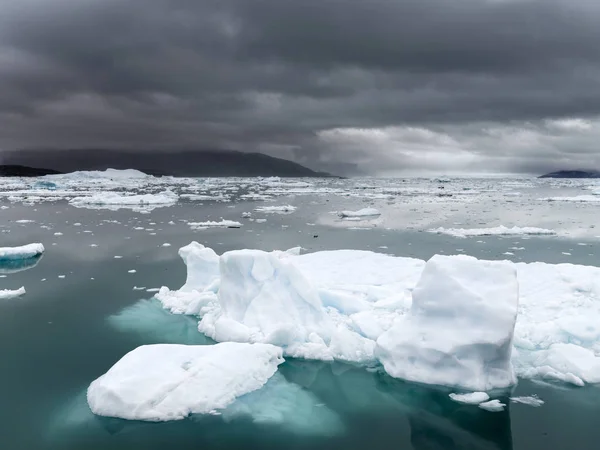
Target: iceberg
(22,252)
(459,331)
(170,382)
(7,294)
(336,305)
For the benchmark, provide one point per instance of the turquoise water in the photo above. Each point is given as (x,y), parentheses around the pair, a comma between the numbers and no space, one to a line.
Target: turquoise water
(65,332)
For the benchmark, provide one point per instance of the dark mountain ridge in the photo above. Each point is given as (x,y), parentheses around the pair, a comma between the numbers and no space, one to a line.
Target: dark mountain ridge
(572,174)
(205,163)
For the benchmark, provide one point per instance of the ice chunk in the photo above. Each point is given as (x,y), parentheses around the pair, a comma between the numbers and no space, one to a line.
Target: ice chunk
(474,398)
(365,212)
(495,231)
(530,401)
(460,328)
(7,294)
(17,265)
(211,224)
(492,405)
(169,382)
(22,252)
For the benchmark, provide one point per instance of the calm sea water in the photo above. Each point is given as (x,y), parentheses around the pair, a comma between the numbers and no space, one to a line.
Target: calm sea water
(63,334)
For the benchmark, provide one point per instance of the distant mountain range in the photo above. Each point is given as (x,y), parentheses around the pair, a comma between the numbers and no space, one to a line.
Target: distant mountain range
(177,163)
(573,174)
(16,170)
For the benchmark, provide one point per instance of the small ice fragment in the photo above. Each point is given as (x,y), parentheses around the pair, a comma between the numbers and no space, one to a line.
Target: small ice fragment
(132,271)
(530,401)
(474,398)
(61,276)
(58,233)
(118,257)
(492,405)
(166,244)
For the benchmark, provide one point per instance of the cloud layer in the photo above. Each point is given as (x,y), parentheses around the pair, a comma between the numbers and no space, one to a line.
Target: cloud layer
(374,87)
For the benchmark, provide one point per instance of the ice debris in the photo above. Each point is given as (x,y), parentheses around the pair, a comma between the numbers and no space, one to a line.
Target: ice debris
(495,231)
(473,398)
(365,212)
(493,406)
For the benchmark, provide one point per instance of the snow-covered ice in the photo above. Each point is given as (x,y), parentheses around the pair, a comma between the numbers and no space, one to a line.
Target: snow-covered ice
(495,231)
(22,252)
(7,294)
(473,398)
(170,382)
(460,328)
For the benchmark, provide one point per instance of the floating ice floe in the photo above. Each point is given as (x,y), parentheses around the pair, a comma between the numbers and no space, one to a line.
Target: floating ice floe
(492,405)
(577,199)
(530,401)
(115,201)
(211,224)
(494,231)
(7,294)
(22,252)
(276,209)
(449,324)
(170,382)
(361,213)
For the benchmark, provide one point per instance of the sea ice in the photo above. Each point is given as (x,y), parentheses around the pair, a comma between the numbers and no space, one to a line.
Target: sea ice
(7,294)
(474,398)
(276,209)
(22,252)
(460,328)
(495,231)
(530,401)
(211,224)
(365,212)
(169,382)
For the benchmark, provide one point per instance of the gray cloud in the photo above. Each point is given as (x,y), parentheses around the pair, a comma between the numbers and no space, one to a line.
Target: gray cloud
(344,85)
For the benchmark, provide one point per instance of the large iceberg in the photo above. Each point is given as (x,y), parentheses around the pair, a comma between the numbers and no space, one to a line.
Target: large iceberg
(22,252)
(169,382)
(460,328)
(336,305)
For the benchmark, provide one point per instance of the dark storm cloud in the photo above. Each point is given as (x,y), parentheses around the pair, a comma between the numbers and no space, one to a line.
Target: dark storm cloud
(278,75)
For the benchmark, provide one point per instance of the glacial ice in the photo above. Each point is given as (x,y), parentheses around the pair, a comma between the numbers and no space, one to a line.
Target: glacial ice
(337,304)
(459,330)
(22,252)
(530,401)
(212,224)
(276,209)
(169,382)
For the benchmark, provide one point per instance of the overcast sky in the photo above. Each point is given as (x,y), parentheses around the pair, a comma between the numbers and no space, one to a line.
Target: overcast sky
(352,86)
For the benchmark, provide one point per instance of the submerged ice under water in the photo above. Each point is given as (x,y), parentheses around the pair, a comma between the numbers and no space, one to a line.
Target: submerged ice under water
(66,332)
